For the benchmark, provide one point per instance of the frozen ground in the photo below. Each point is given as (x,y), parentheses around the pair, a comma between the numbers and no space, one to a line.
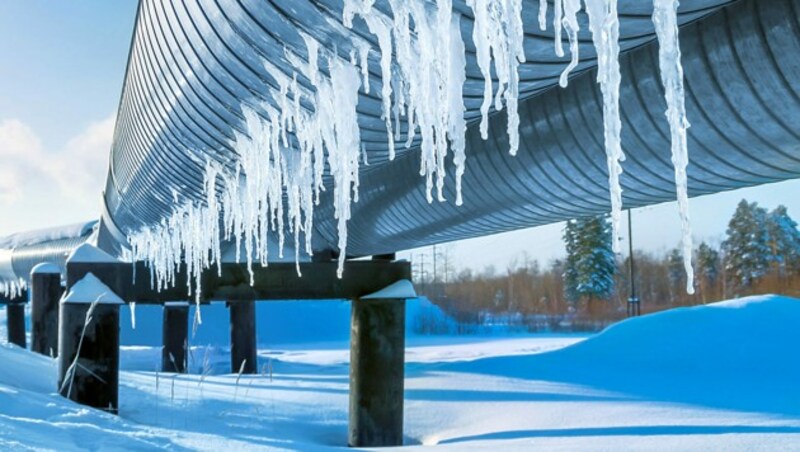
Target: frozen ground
(719,377)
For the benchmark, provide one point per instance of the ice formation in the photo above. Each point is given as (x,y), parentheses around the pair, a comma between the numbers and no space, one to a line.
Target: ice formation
(497,34)
(665,18)
(282,152)
(274,182)
(13,288)
(426,73)
(604,24)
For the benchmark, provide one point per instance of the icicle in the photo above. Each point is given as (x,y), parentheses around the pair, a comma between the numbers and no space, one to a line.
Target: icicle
(457,125)
(498,34)
(13,288)
(380,27)
(604,25)
(132,307)
(665,18)
(363,53)
(557,16)
(570,24)
(543,14)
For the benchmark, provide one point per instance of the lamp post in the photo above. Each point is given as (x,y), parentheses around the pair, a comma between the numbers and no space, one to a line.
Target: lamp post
(633,301)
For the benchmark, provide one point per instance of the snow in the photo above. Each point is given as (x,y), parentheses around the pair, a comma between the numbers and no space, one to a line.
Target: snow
(45,268)
(400,289)
(47,235)
(716,377)
(91,290)
(90,254)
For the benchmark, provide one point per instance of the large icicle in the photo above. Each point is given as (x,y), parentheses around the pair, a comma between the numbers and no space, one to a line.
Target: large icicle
(604,24)
(665,18)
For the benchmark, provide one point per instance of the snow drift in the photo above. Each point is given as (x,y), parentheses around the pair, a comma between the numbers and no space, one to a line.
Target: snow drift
(736,354)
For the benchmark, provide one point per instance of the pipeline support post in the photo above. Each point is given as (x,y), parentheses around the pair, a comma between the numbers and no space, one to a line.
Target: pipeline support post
(15,322)
(89,345)
(244,352)
(175,337)
(46,291)
(377,359)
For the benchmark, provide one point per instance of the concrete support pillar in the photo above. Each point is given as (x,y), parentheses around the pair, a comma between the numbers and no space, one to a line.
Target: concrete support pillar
(88,368)
(176,337)
(377,357)
(243,337)
(15,323)
(45,292)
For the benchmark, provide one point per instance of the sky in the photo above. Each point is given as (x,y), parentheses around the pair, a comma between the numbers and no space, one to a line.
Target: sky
(62,65)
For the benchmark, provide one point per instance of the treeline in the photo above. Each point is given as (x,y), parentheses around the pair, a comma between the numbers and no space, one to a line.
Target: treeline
(590,288)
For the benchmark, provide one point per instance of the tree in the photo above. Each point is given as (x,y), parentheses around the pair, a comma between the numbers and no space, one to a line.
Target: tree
(590,265)
(570,264)
(676,273)
(707,263)
(784,240)
(747,249)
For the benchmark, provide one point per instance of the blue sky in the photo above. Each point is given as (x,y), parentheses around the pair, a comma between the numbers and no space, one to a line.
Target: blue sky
(61,69)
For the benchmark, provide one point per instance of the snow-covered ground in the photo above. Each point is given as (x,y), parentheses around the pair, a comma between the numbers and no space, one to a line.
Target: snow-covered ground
(718,377)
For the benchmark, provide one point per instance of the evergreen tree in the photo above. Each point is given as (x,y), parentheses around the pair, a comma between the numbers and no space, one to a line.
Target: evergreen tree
(747,249)
(784,240)
(570,264)
(707,263)
(590,265)
(675,272)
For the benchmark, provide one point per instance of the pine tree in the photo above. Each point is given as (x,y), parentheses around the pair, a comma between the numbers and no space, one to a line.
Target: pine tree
(590,265)
(784,240)
(676,273)
(570,264)
(747,249)
(707,263)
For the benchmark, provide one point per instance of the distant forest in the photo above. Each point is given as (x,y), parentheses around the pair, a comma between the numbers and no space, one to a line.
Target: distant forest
(590,288)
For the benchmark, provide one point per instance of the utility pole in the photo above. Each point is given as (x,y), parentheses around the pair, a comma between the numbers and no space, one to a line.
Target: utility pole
(633,301)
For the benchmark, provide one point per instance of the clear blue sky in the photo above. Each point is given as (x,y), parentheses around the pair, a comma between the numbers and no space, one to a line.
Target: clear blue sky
(61,69)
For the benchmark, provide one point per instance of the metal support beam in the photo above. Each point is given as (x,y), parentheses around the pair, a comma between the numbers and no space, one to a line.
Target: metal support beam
(15,322)
(244,351)
(377,357)
(88,353)
(46,290)
(175,337)
(278,281)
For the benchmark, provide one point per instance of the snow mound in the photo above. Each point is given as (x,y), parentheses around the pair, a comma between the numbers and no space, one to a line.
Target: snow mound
(89,253)
(751,335)
(91,290)
(737,354)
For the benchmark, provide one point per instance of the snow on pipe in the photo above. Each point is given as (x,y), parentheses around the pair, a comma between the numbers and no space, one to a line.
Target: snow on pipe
(424,68)
(20,253)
